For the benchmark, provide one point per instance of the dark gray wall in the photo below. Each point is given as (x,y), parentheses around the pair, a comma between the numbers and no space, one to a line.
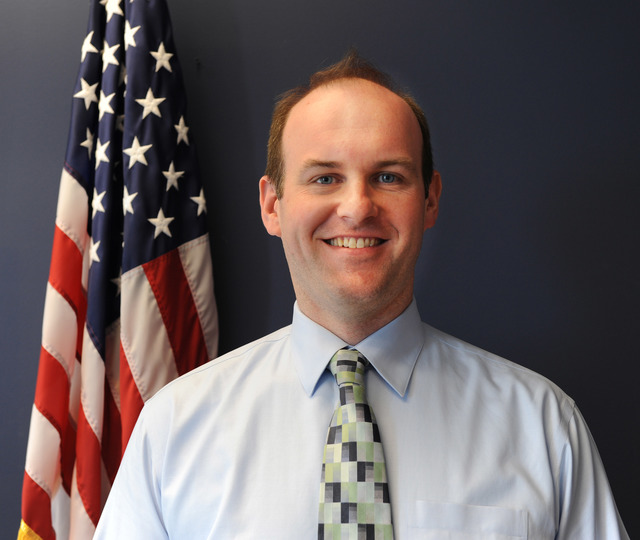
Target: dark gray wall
(535,116)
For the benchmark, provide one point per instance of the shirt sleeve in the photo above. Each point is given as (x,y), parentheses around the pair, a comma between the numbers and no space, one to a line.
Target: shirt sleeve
(133,508)
(587,507)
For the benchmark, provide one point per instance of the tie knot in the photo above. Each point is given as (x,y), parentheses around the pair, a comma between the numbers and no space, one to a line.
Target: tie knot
(347,366)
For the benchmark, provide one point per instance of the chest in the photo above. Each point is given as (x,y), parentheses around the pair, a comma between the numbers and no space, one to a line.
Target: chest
(255,472)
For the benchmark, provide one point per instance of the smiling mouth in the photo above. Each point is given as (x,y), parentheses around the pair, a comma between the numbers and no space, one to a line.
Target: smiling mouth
(353,243)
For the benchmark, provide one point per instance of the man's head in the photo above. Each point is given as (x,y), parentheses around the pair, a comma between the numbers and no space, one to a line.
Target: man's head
(352,66)
(352,206)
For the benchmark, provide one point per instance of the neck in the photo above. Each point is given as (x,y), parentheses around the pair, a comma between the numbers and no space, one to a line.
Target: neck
(353,323)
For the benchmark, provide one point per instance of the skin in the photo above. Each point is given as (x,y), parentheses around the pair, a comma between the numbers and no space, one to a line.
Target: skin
(352,156)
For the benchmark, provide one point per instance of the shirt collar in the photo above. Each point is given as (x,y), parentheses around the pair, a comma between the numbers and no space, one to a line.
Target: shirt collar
(392,350)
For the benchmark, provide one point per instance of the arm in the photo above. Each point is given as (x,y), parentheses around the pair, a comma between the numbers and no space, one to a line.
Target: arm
(133,509)
(587,508)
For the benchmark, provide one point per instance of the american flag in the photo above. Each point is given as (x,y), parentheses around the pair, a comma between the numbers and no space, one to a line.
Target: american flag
(129,303)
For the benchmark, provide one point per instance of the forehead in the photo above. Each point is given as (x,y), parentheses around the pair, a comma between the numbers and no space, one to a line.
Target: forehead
(349,113)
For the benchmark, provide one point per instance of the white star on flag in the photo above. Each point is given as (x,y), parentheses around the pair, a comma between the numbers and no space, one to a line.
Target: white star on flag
(96,203)
(201,202)
(112,8)
(162,58)
(128,35)
(150,104)
(182,130)
(88,93)
(88,142)
(123,78)
(172,176)
(127,199)
(101,153)
(93,252)
(118,283)
(105,104)
(109,56)
(87,46)
(136,153)
(161,224)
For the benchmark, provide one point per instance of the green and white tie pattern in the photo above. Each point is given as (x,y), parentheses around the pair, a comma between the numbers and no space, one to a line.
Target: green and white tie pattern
(354,494)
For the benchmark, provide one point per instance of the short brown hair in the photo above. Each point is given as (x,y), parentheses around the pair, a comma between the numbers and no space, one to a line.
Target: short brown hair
(352,66)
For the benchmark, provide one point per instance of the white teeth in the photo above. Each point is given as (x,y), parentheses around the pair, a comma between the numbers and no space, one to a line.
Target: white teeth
(353,243)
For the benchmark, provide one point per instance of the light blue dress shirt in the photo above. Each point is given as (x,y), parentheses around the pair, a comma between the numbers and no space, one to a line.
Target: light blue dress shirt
(476,447)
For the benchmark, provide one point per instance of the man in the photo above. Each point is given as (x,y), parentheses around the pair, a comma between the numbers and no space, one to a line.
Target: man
(475,446)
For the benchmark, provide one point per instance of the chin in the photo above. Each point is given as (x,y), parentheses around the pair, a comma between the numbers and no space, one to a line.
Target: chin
(361,296)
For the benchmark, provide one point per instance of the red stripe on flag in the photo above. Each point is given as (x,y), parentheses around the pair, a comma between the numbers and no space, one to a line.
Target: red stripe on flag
(130,400)
(36,511)
(177,308)
(111,434)
(88,468)
(52,391)
(65,276)
(52,400)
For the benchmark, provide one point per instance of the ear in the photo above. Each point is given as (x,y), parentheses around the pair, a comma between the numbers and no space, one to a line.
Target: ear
(432,201)
(269,206)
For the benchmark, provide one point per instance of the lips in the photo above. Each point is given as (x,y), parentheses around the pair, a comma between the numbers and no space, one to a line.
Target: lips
(353,243)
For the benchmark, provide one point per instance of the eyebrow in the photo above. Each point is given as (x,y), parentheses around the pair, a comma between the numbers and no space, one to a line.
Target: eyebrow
(402,162)
(319,164)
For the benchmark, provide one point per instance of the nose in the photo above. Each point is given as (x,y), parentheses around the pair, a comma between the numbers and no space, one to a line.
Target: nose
(357,201)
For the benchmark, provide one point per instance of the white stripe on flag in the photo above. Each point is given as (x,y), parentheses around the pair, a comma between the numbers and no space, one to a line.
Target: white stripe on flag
(58,329)
(60,513)
(70,218)
(92,395)
(80,525)
(196,262)
(143,335)
(43,467)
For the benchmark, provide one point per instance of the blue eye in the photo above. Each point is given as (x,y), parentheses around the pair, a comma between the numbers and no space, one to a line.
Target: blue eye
(324,180)
(387,178)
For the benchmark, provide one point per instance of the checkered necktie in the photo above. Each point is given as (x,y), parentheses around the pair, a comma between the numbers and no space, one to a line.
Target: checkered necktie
(354,494)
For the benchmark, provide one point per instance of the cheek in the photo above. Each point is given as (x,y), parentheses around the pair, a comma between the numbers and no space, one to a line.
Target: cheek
(413,215)
(297,227)
(304,218)
(414,223)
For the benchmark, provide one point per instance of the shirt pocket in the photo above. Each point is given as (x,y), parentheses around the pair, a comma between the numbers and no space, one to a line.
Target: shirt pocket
(449,521)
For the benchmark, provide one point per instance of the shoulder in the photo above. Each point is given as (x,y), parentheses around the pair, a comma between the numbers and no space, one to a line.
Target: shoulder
(485,374)
(467,356)
(217,376)
(192,408)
